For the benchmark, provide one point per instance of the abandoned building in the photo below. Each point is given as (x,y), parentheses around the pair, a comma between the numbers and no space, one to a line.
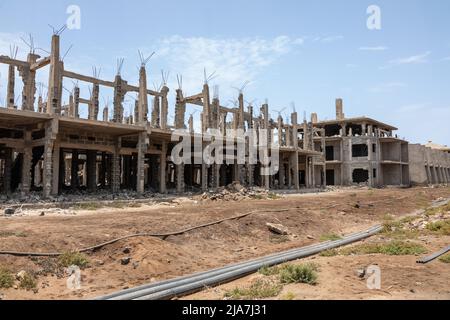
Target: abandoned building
(46,146)
(363,150)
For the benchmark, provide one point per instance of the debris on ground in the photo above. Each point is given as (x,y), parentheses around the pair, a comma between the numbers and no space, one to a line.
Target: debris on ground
(125,261)
(278,229)
(9,211)
(237,192)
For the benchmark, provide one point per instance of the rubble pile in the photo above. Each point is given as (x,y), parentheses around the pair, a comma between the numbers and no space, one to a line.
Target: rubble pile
(237,192)
(425,220)
(74,197)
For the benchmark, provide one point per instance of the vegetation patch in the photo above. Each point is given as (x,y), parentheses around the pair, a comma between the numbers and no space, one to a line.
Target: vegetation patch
(303,273)
(445,258)
(393,248)
(397,229)
(6,234)
(27,282)
(440,227)
(269,271)
(329,253)
(90,206)
(273,196)
(73,259)
(288,296)
(6,278)
(259,289)
(434,211)
(330,237)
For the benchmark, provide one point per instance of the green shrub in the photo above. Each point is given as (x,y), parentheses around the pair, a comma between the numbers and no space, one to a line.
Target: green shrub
(28,282)
(6,279)
(440,227)
(259,289)
(73,259)
(269,271)
(329,253)
(393,248)
(445,258)
(304,273)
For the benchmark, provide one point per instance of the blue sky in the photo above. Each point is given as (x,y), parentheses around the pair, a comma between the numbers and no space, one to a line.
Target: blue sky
(307,52)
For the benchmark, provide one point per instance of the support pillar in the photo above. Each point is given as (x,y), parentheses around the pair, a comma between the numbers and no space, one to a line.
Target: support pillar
(162,169)
(140,174)
(204,173)
(91,170)
(74,170)
(115,168)
(8,168)
(180,178)
(26,164)
(295,169)
(55,163)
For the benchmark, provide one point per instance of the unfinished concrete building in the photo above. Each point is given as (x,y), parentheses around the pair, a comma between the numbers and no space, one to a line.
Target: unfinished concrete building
(363,151)
(47,147)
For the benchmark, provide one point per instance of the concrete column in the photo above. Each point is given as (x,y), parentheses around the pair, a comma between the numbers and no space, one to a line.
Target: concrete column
(282,176)
(164,107)
(94,103)
(62,170)
(140,175)
(115,168)
(249,172)
(289,174)
(435,176)
(26,164)
(47,170)
(295,169)
(74,170)
(266,181)
(204,177)
(91,170)
(55,78)
(180,111)
(119,96)
(10,97)
(8,169)
(55,164)
(143,97)
(76,102)
(162,169)
(430,174)
(102,171)
(29,83)
(156,113)
(180,178)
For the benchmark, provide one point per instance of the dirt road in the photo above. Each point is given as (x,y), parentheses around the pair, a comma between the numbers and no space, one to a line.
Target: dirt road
(309,217)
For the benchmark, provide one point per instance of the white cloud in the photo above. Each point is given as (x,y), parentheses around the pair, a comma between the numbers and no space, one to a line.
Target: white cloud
(234,60)
(446,59)
(379,48)
(329,39)
(387,87)
(420,58)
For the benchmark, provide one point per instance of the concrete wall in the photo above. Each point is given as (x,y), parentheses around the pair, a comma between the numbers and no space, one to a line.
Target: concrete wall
(428,166)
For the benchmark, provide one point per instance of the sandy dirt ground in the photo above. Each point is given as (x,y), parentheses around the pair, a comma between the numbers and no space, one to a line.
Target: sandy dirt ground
(307,216)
